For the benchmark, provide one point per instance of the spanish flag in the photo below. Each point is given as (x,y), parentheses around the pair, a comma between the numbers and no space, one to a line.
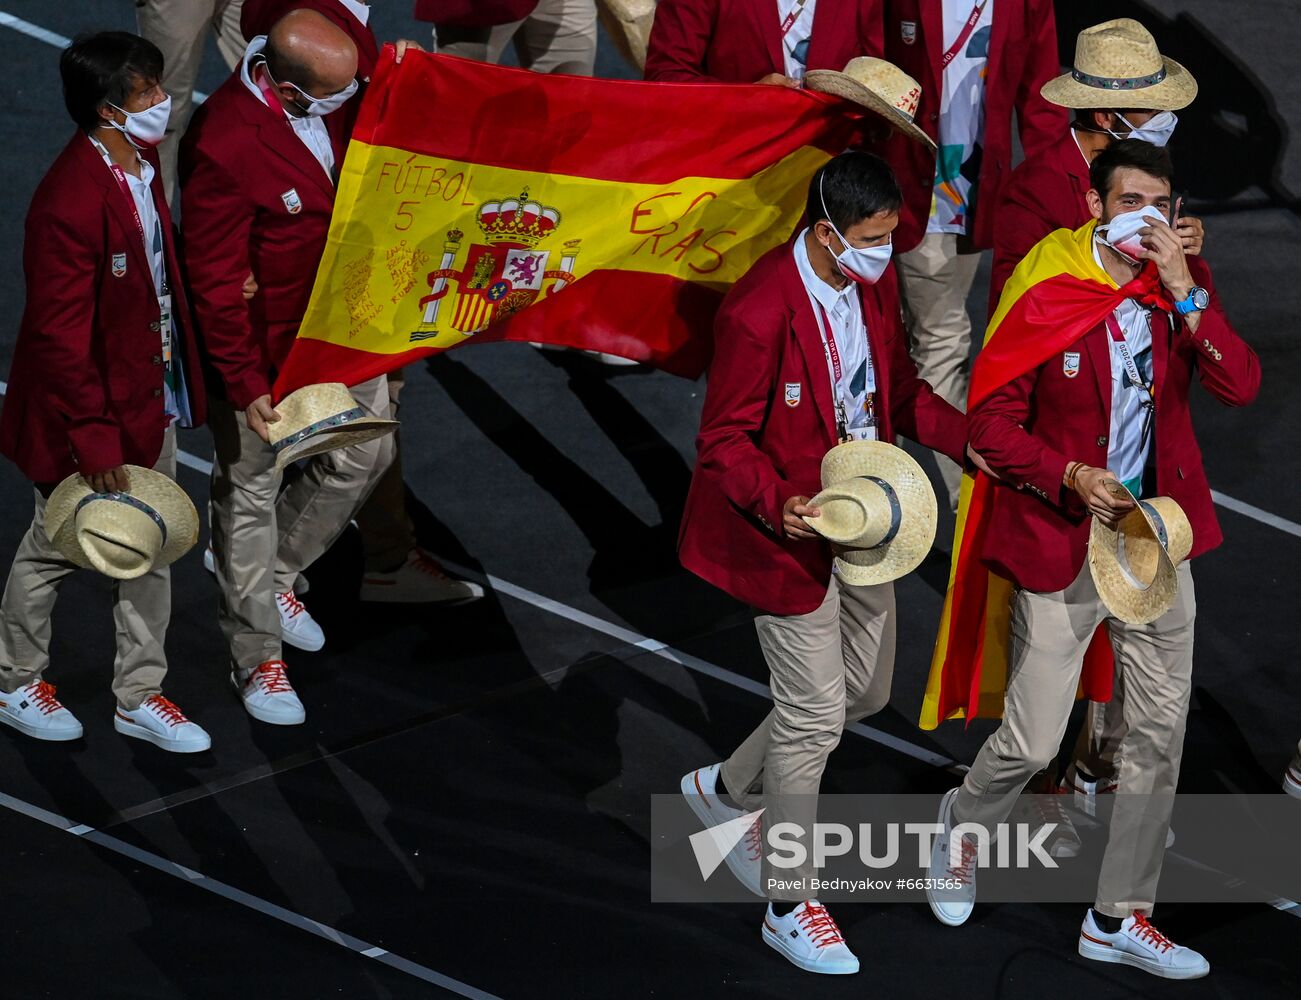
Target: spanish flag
(1054,297)
(488,203)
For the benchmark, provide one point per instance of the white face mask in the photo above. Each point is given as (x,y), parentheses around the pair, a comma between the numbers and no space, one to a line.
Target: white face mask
(1121,233)
(319,107)
(1157,130)
(144,129)
(864,266)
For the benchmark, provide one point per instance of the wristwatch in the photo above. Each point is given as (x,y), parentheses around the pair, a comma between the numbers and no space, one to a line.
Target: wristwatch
(1198,299)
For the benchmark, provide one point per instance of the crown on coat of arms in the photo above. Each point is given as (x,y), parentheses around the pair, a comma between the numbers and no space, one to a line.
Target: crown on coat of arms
(517,220)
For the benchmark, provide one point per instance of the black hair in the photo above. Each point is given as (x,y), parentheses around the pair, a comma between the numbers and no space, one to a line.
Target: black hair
(1152,160)
(102,68)
(854,186)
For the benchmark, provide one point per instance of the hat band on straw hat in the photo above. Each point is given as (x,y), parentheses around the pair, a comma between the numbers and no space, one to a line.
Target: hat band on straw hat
(1158,523)
(130,501)
(338,420)
(896,511)
(1118,83)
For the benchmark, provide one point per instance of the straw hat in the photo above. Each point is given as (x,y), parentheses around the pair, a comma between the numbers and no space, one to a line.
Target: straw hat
(878,85)
(629,25)
(877,508)
(319,418)
(1133,564)
(1117,65)
(122,535)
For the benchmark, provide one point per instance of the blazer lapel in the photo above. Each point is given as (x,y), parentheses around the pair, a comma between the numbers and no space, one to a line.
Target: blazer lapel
(805,327)
(874,319)
(764,14)
(120,205)
(279,137)
(1160,349)
(830,19)
(932,15)
(1099,351)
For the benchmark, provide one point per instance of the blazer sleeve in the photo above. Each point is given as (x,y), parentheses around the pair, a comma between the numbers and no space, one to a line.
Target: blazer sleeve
(1226,364)
(1040,123)
(997,427)
(742,385)
(61,262)
(217,219)
(915,408)
(679,41)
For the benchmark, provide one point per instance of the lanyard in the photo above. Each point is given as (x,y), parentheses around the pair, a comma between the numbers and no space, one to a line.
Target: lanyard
(964,34)
(120,176)
(1131,369)
(273,102)
(792,17)
(828,336)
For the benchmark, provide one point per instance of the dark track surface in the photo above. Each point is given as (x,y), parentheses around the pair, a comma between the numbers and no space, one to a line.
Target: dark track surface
(471,791)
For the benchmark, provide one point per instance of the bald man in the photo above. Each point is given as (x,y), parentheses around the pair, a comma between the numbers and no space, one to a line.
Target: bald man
(258,168)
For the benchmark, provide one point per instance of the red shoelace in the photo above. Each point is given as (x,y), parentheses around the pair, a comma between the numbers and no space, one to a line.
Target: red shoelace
(817,923)
(42,693)
(291,604)
(962,870)
(426,563)
(271,678)
(1144,931)
(169,713)
(754,841)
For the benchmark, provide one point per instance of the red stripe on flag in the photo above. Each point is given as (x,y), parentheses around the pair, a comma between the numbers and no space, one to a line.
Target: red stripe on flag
(652,318)
(618,130)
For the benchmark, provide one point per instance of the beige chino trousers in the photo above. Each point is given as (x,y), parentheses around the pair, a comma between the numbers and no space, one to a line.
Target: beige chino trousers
(934,281)
(558,37)
(1049,635)
(829,667)
(141,610)
(264,537)
(178,28)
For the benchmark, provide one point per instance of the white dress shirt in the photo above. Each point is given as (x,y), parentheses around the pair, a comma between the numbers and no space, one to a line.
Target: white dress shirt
(361,11)
(857,384)
(309,129)
(795,43)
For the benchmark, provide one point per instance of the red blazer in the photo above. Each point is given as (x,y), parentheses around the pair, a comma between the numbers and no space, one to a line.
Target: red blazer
(257,17)
(86,385)
(739,41)
(1044,193)
(1030,430)
(1022,57)
(754,451)
(473,13)
(253,199)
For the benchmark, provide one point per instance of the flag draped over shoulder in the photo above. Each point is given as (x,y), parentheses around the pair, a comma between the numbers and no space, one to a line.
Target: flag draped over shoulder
(491,203)
(1056,295)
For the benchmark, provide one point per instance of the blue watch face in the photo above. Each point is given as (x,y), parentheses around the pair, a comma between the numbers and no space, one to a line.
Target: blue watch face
(1201,298)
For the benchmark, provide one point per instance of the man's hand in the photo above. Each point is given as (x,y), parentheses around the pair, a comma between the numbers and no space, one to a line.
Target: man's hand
(1162,245)
(1191,233)
(1092,486)
(113,481)
(403,45)
(794,511)
(778,80)
(979,462)
(260,412)
(249,288)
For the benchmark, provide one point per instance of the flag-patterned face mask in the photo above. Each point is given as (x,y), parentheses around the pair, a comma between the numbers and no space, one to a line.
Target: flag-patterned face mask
(1122,232)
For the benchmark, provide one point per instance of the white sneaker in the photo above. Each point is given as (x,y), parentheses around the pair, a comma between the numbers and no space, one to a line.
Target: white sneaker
(297,626)
(34,710)
(268,696)
(952,894)
(162,724)
(419,580)
(810,939)
(301,586)
(1141,945)
(613,360)
(1086,797)
(699,788)
(1047,809)
(1292,780)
